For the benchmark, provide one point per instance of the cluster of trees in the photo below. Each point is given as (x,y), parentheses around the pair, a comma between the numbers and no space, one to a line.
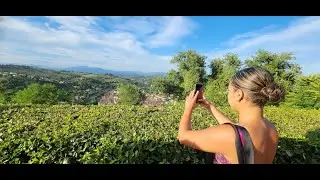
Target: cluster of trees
(38,94)
(305,92)
(302,91)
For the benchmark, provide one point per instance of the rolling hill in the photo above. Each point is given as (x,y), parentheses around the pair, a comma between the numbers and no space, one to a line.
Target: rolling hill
(95,70)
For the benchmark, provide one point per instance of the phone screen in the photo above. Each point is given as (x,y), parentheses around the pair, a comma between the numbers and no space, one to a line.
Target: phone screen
(200,89)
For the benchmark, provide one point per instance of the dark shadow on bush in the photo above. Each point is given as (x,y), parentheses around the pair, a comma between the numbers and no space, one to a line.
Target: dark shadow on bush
(313,135)
(297,151)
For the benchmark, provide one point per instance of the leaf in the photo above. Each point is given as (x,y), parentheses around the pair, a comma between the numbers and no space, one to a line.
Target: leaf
(65,161)
(288,153)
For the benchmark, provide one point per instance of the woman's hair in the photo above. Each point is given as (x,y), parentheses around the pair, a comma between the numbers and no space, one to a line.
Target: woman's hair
(259,84)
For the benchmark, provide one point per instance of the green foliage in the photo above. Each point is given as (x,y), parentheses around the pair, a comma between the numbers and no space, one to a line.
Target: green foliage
(26,96)
(191,67)
(174,77)
(190,61)
(2,99)
(129,94)
(159,85)
(280,65)
(174,80)
(305,93)
(132,134)
(64,96)
(216,92)
(222,70)
(216,67)
(37,94)
(190,78)
(47,94)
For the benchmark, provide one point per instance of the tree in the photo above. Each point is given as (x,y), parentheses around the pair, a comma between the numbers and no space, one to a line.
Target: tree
(191,67)
(47,94)
(305,93)
(159,85)
(190,61)
(37,94)
(129,94)
(174,77)
(64,96)
(229,64)
(174,86)
(216,67)
(190,79)
(26,96)
(285,72)
(222,70)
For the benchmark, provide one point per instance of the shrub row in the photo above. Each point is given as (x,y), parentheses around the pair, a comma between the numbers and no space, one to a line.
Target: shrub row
(133,134)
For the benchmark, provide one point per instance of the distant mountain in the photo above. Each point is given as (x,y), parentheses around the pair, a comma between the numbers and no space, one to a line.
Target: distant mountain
(95,70)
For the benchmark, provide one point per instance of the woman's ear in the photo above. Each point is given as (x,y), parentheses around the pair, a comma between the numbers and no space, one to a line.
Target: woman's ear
(239,95)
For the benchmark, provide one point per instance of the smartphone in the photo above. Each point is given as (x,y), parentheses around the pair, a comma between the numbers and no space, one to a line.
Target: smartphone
(199,87)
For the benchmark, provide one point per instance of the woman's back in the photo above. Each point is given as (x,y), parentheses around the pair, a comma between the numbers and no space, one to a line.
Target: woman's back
(264,137)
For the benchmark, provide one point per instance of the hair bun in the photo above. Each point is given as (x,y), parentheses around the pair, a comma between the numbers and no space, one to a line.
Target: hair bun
(273,93)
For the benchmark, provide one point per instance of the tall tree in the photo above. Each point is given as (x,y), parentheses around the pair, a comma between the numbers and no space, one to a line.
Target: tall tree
(191,67)
(222,69)
(159,85)
(280,65)
(129,94)
(305,92)
(174,77)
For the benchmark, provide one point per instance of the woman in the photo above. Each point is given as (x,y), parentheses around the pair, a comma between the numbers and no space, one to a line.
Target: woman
(248,91)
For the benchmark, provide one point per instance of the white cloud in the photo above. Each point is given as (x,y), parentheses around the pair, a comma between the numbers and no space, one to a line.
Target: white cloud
(172,30)
(109,42)
(302,37)
(127,43)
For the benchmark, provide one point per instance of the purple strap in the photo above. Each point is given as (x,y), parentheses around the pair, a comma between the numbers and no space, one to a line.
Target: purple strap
(241,136)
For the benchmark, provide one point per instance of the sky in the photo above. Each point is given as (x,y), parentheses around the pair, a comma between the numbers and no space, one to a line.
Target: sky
(147,44)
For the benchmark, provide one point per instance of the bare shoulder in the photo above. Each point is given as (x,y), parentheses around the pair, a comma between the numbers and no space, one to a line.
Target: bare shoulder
(272,129)
(270,124)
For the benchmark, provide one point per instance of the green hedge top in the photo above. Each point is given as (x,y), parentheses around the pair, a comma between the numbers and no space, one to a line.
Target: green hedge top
(133,134)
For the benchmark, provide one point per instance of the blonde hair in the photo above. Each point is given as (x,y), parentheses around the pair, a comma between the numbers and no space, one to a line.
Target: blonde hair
(259,85)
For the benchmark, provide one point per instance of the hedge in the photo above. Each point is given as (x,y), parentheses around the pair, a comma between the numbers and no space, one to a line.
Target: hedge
(110,134)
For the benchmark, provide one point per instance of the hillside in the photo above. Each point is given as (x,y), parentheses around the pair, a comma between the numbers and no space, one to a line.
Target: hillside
(94,70)
(85,88)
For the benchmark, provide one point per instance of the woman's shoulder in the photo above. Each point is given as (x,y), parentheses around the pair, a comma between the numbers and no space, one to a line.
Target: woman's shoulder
(272,130)
(270,124)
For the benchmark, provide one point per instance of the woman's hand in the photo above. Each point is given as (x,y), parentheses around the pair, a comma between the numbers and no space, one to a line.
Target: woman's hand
(191,100)
(204,103)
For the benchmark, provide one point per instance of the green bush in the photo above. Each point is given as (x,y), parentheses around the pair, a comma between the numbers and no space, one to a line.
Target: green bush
(2,98)
(305,93)
(37,94)
(129,94)
(133,134)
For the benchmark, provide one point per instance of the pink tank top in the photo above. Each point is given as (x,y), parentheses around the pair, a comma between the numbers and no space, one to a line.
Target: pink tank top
(220,158)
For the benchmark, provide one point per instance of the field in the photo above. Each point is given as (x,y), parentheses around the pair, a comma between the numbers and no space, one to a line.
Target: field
(133,134)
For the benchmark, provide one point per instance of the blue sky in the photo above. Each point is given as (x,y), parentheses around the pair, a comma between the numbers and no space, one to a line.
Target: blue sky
(148,43)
